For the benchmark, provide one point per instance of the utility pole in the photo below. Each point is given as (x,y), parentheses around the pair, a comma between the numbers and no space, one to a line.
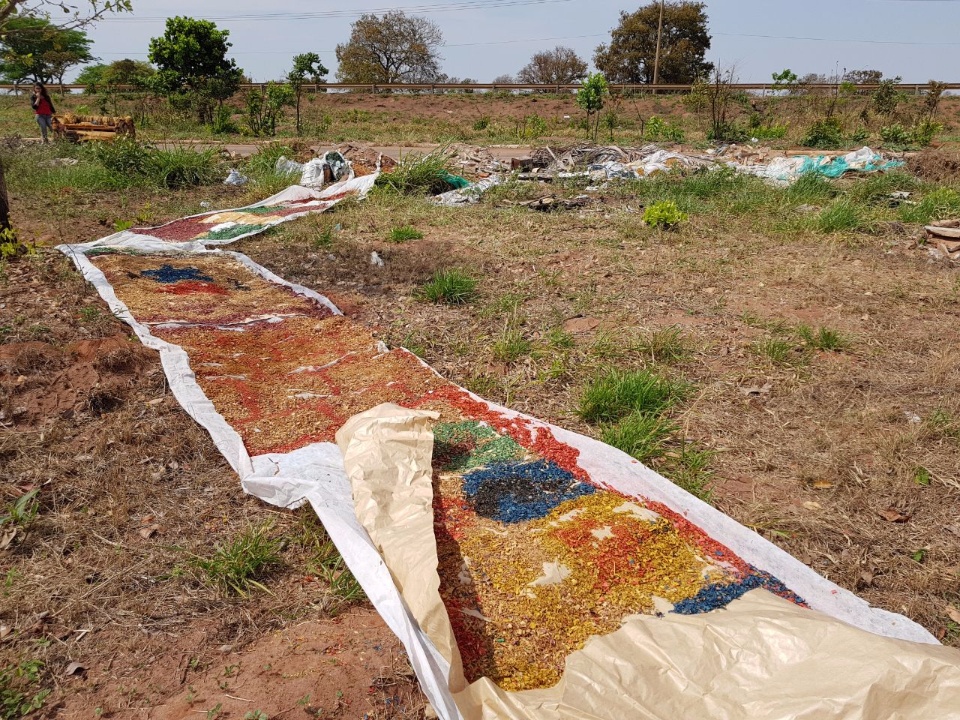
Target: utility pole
(656,57)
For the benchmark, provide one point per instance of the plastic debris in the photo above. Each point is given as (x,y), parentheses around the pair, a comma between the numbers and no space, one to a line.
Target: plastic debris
(235,177)
(287,167)
(469,194)
(376,260)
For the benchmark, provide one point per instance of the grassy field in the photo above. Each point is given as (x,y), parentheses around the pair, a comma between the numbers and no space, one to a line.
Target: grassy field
(793,349)
(499,118)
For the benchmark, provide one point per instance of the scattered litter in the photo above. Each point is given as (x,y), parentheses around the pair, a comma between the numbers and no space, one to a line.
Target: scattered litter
(235,177)
(74,668)
(287,167)
(912,418)
(613,162)
(376,260)
(204,204)
(551,202)
(757,391)
(329,168)
(469,194)
(807,209)
(63,162)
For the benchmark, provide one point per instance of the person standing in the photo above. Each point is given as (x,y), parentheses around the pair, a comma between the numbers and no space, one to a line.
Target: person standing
(43,107)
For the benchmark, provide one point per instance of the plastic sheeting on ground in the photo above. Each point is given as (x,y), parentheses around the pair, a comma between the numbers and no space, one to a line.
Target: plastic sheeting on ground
(509,486)
(789,169)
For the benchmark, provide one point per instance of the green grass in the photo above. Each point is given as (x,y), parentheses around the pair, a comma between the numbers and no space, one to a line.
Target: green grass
(823,339)
(236,566)
(417,175)
(778,351)
(810,190)
(22,511)
(560,339)
(843,215)
(453,287)
(640,435)
(938,204)
(511,346)
(615,394)
(690,469)
(665,345)
(403,234)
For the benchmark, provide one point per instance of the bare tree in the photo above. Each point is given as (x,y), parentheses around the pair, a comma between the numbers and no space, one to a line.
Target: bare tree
(393,48)
(560,66)
(504,80)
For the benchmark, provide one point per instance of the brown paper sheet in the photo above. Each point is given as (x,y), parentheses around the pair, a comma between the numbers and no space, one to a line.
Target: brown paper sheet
(761,657)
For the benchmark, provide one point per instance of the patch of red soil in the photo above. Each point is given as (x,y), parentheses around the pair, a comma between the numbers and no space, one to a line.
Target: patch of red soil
(39,381)
(350,666)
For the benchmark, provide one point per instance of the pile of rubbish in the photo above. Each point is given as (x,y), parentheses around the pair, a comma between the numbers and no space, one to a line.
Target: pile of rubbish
(613,162)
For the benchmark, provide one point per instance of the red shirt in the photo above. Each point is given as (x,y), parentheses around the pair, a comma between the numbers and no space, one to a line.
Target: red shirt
(44,107)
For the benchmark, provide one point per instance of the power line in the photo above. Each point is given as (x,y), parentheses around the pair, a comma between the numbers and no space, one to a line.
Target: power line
(326,14)
(839,40)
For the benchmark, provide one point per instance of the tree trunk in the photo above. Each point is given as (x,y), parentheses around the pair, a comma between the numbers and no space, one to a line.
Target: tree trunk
(298,111)
(4,202)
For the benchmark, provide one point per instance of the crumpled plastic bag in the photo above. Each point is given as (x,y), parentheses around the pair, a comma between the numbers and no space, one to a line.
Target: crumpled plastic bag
(235,177)
(285,166)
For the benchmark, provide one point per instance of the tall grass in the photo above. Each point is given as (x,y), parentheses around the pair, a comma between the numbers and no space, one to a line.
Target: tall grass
(616,394)
(418,175)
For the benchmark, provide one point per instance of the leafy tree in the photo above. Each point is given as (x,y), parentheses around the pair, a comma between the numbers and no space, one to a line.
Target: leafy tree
(630,56)
(590,98)
(785,79)
(306,68)
(33,48)
(887,96)
(91,77)
(863,77)
(393,48)
(108,78)
(14,9)
(560,66)
(192,65)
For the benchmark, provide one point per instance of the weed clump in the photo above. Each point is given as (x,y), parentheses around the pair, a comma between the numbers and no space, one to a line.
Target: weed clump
(640,435)
(616,394)
(418,175)
(453,287)
(235,567)
(843,215)
(404,233)
(664,214)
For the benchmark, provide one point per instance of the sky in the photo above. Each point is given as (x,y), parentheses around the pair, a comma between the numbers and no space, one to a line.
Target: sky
(915,39)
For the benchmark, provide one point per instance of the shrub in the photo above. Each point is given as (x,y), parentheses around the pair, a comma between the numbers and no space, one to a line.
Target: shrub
(664,214)
(453,287)
(826,134)
(925,131)
(223,121)
(895,134)
(658,130)
(481,123)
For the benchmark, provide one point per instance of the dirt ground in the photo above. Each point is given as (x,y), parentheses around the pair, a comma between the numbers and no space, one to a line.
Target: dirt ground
(820,457)
(101,587)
